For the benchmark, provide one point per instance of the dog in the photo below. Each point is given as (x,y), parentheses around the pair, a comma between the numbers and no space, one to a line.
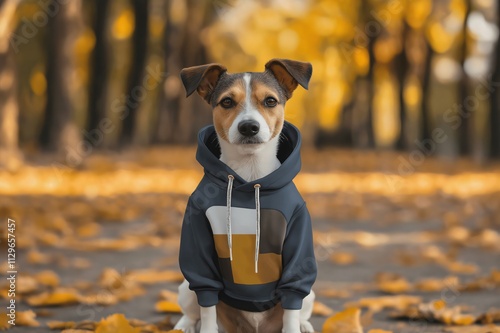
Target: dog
(246,243)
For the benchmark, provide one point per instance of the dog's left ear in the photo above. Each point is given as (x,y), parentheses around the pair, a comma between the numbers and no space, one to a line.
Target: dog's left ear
(290,73)
(202,79)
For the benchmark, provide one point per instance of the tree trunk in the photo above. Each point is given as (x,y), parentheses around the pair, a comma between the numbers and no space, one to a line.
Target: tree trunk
(172,91)
(59,131)
(371,80)
(425,132)
(495,101)
(10,156)
(181,118)
(465,131)
(99,67)
(135,90)
(401,66)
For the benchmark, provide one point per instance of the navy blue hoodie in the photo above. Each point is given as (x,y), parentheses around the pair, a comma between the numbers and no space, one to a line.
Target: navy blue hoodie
(248,244)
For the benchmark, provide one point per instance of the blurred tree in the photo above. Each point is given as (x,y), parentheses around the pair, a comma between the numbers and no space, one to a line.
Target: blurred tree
(426,86)
(59,130)
(401,69)
(135,91)
(10,156)
(180,118)
(99,65)
(465,131)
(495,99)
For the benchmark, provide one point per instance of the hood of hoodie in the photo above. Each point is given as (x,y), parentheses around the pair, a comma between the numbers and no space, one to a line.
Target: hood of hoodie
(208,155)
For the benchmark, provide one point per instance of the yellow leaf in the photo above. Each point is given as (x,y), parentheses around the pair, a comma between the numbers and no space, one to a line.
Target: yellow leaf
(116,323)
(167,306)
(343,258)
(346,321)
(379,331)
(320,309)
(48,278)
(399,302)
(26,318)
(168,295)
(61,296)
(148,276)
(4,321)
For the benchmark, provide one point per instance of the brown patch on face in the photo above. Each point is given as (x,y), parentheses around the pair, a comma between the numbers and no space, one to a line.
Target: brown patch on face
(224,118)
(274,116)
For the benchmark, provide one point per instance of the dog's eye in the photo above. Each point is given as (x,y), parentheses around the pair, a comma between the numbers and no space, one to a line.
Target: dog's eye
(227,103)
(271,102)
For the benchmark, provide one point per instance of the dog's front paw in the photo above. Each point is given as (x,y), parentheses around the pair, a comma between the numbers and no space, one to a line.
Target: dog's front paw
(306,327)
(186,324)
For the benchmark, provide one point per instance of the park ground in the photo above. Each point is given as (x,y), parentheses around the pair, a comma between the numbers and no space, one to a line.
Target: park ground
(391,236)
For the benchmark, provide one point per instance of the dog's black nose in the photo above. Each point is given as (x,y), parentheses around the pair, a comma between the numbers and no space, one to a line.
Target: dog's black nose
(248,127)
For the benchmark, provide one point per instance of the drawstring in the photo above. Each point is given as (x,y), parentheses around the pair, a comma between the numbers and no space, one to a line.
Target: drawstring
(228,203)
(229,222)
(257,231)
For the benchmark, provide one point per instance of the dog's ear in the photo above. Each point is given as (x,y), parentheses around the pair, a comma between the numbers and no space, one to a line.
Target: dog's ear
(202,78)
(290,73)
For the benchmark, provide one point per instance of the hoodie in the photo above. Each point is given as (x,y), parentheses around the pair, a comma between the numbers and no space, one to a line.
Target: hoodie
(248,244)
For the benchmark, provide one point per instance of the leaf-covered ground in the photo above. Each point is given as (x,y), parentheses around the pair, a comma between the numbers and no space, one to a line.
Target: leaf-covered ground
(399,250)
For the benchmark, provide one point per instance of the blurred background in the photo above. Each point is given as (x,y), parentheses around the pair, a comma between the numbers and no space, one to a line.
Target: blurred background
(401,140)
(86,75)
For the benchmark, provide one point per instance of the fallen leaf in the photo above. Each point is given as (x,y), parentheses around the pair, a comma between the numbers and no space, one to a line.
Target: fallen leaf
(26,284)
(399,302)
(4,321)
(168,295)
(433,285)
(392,283)
(342,258)
(102,298)
(168,307)
(436,312)
(26,318)
(60,296)
(37,258)
(346,321)
(47,278)
(321,309)
(379,331)
(461,268)
(149,276)
(116,323)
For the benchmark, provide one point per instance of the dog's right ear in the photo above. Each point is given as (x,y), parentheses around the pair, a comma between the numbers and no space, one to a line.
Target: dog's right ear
(202,78)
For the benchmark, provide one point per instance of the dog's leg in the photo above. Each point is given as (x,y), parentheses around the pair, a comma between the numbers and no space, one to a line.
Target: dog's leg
(190,308)
(306,312)
(291,321)
(209,320)
(297,321)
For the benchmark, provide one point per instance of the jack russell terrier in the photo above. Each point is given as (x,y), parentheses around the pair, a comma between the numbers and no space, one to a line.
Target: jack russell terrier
(246,244)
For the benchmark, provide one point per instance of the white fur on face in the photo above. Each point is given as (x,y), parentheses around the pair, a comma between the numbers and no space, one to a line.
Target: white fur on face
(249,112)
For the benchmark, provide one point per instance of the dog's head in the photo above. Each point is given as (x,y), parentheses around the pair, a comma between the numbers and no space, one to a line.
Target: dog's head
(248,108)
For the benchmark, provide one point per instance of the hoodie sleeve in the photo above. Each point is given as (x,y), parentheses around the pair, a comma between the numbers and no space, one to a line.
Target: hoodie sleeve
(197,257)
(299,263)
